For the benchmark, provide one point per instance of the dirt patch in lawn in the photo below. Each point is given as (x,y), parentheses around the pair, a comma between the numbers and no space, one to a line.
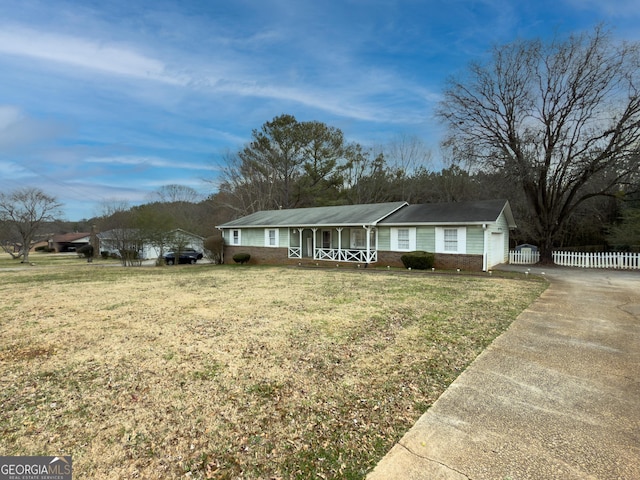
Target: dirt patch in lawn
(219,372)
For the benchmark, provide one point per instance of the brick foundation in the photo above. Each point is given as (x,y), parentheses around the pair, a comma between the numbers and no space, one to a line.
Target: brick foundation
(470,263)
(260,255)
(443,261)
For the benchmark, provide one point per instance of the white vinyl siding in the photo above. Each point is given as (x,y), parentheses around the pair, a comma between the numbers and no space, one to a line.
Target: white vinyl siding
(451,240)
(271,237)
(475,240)
(403,239)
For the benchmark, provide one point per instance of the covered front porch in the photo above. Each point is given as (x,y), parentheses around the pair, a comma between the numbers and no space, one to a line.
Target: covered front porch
(336,244)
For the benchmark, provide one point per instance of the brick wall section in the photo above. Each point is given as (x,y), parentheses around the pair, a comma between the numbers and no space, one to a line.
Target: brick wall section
(391,259)
(261,255)
(278,256)
(472,263)
(443,261)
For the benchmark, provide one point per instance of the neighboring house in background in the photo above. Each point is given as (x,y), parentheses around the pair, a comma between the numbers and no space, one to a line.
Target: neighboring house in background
(185,240)
(69,242)
(112,241)
(465,235)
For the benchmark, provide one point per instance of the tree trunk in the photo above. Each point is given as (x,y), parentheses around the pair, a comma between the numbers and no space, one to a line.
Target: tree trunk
(546,250)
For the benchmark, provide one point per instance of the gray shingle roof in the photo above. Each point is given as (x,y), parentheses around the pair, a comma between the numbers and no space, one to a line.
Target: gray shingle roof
(481,211)
(346,215)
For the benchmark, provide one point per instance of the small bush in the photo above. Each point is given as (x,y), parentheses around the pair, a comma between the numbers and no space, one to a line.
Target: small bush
(85,251)
(241,258)
(418,260)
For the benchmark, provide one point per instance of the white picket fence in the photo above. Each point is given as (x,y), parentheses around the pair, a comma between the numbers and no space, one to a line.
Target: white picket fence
(523,257)
(620,260)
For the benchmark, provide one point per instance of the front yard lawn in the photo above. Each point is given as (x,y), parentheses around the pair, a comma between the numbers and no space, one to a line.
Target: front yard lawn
(223,372)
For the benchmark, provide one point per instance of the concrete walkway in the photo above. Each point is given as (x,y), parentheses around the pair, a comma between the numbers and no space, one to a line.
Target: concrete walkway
(557,396)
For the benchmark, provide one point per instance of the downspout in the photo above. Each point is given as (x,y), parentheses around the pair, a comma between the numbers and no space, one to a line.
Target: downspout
(485,253)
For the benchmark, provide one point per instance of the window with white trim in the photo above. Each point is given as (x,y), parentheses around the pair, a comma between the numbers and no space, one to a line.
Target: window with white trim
(358,238)
(235,237)
(451,240)
(403,239)
(271,237)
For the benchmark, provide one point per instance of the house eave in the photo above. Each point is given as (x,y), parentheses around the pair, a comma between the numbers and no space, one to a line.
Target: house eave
(437,224)
(304,225)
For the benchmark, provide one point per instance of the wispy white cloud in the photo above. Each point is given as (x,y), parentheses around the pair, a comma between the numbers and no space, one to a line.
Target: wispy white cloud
(84,53)
(17,129)
(147,161)
(114,99)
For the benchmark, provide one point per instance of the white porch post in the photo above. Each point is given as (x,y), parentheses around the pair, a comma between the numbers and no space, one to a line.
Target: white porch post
(367,232)
(300,243)
(339,229)
(314,241)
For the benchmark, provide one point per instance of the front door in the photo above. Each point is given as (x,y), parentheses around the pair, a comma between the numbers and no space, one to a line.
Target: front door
(309,250)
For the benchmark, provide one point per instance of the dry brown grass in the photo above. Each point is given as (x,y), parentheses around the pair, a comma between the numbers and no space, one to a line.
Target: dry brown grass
(217,372)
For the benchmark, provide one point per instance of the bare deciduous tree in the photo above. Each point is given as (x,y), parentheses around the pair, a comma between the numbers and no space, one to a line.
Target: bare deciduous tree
(562,119)
(120,234)
(407,157)
(176,193)
(22,213)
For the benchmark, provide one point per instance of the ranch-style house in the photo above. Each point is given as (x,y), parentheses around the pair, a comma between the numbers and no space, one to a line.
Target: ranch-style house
(463,235)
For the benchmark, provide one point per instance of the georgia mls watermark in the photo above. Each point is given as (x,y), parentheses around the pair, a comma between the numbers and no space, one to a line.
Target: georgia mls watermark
(35,468)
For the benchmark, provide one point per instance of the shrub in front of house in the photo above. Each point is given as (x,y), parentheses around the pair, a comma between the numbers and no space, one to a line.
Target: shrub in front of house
(241,258)
(418,260)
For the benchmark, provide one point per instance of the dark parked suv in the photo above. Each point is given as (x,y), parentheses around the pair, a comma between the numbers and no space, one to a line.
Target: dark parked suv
(187,255)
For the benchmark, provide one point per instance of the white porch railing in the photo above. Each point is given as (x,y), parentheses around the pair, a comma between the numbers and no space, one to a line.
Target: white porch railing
(341,255)
(621,260)
(295,252)
(523,257)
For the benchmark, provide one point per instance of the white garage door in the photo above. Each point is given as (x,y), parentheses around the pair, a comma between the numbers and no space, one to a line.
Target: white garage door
(496,249)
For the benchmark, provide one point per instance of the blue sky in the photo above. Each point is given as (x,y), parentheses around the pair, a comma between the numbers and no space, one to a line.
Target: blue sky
(104,101)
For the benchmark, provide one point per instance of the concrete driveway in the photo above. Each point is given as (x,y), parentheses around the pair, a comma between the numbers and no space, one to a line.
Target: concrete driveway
(557,396)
